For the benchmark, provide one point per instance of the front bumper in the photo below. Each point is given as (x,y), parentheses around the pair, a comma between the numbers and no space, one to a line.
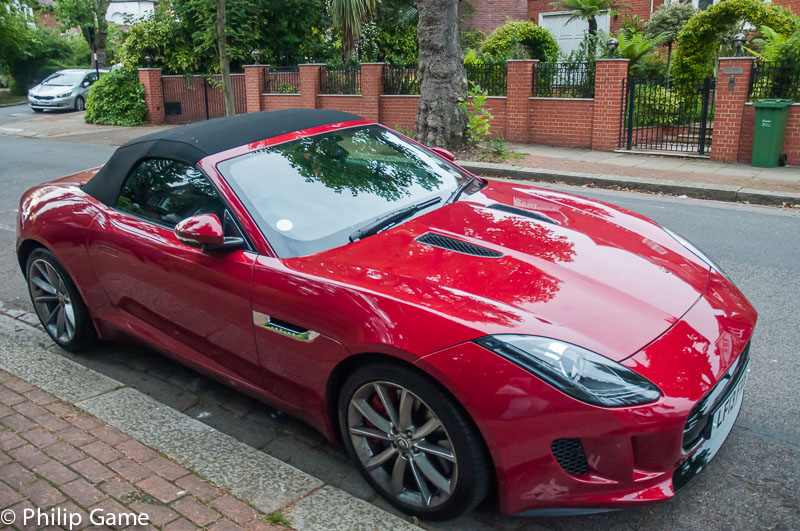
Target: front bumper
(55,103)
(633,455)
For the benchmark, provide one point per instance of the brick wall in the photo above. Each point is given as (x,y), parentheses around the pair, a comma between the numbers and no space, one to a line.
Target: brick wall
(569,122)
(193,96)
(275,102)
(346,103)
(561,122)
(399,111)
(490,14)
(791,145)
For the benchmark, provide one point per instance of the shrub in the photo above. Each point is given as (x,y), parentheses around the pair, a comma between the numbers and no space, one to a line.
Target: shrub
(478,117)
(519,40)
(117,98)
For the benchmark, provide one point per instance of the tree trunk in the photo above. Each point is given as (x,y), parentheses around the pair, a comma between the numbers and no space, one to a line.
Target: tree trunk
(224,63)
(593,26)
(443,81)
(101,34)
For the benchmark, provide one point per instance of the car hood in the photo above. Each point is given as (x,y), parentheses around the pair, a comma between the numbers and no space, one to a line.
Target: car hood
(584,272)
(41,90)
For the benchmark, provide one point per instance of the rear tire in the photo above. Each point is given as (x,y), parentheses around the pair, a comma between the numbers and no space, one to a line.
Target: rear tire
(57,302)
(413,442)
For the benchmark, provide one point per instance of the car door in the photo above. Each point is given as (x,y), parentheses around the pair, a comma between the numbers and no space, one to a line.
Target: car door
(87,82)
(194,303)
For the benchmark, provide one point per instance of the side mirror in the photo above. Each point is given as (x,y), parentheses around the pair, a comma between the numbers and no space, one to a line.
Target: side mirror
(205,231)
(85,84)
(444,153)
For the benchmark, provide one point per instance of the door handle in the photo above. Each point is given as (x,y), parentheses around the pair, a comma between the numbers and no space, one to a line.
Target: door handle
(284,328)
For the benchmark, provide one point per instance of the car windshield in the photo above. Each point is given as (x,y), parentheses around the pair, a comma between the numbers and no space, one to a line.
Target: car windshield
(66,79)
(309,195)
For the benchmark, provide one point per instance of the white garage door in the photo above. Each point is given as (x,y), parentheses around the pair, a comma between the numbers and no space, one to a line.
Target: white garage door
(569,34)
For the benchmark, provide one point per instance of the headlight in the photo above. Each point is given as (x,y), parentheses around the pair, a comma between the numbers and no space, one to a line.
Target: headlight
(65,94)
(580,373)
(689,246)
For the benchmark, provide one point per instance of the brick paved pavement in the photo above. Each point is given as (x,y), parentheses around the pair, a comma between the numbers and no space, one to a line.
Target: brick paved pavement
(62,461)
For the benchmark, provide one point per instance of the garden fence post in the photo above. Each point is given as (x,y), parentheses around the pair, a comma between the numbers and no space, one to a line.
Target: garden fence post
(309,84)
(254,85)
(371,90)
(519,88)
(731,93)
(610,75)
(153,95)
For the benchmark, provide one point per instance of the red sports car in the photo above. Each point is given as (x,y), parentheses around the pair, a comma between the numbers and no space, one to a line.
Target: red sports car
(458,335)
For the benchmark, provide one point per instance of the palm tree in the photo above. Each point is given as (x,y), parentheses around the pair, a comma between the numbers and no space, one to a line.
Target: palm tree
(348,16)
(588,10)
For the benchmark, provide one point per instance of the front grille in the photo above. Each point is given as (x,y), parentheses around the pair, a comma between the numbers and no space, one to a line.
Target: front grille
(459,246)
(699,421)
(44,97)
(569,454)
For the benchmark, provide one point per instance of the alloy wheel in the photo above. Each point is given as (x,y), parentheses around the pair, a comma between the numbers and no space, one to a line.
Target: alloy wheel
(52,300)
(402,444)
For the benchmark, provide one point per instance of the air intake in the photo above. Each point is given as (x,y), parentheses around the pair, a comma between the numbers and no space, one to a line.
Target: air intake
(521,212)
(459,246)
(569,454)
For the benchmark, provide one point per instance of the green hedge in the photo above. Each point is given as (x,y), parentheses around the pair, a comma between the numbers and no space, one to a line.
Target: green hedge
(117,98)
(505,41)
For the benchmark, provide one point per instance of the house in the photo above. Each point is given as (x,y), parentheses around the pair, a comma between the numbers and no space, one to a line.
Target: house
(489,14)
(122,12)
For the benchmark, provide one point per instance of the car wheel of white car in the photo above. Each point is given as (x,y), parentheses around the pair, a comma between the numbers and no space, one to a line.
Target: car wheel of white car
(79,106)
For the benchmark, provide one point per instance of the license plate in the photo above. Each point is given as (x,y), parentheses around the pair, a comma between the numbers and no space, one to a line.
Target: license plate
(726,413)
(40,102)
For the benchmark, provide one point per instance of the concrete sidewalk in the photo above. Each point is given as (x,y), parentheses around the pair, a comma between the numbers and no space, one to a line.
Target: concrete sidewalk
(673,168)
(73,440)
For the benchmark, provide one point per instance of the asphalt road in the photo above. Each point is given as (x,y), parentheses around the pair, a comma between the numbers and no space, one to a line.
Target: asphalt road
(753,483)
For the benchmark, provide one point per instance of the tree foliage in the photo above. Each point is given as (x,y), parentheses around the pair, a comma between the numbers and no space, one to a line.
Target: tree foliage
(772,46)
(698,41)
(181,35)
(589,10)
(117,98)
(391,36)
(85,14)
(29,53)
(348,17)
(634,46)
(518,39)
(668,20)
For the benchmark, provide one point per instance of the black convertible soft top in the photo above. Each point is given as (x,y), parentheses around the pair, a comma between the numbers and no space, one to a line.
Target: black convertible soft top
(190,143)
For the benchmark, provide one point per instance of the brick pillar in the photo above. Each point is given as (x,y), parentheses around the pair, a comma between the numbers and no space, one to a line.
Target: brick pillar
(254,84)
(733,83)
(371,90)
(153,95)
(607,114)
(519,89)
(309,84)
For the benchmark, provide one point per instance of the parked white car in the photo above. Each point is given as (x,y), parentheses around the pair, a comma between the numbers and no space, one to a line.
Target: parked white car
(66,89)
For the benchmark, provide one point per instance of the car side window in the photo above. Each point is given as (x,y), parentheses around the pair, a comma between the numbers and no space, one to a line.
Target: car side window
(166,192)
(91,78)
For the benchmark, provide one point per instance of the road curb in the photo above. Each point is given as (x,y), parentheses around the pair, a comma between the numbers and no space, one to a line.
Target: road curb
(266,483)
(719,192)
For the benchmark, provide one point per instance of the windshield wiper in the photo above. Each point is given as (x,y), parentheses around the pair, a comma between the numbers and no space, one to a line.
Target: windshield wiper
(392,219)
(461,187)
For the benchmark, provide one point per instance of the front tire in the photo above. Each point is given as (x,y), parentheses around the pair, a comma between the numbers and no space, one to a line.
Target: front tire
(413,442)
(79,104)
(57,302)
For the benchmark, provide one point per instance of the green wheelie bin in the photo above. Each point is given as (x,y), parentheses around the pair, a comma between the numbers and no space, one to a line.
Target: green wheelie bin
(771,118)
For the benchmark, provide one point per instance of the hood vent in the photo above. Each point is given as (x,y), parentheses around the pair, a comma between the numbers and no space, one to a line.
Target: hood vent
(521,212)
(459,246)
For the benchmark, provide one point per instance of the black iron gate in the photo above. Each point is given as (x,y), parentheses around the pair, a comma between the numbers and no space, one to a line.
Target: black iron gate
(667,115)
